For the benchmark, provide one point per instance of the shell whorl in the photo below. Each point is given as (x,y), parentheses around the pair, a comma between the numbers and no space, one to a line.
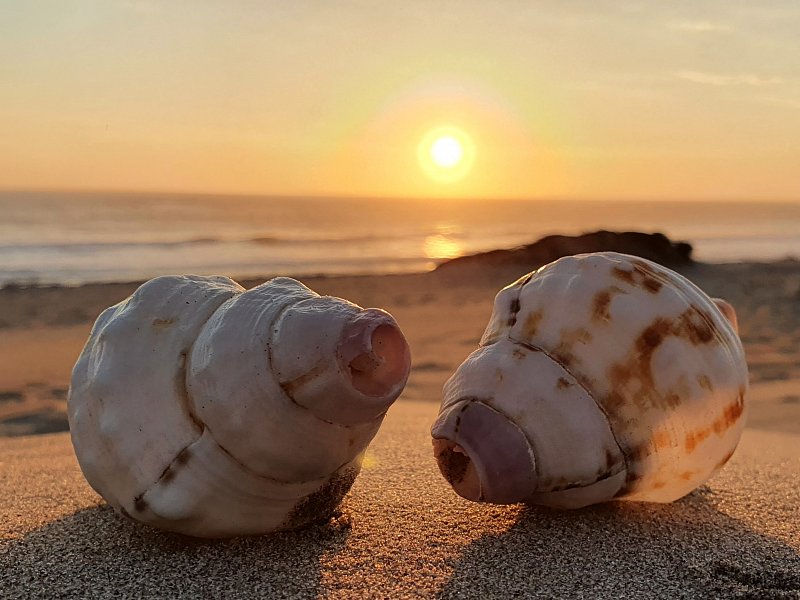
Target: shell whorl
(624,379)
(202,408)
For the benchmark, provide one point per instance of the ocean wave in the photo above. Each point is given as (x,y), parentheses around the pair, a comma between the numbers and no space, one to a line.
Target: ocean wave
(354,239)
(81,246)
(88,246)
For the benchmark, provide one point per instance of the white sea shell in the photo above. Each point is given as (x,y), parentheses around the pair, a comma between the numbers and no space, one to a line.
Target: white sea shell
(600,376)
(202,408)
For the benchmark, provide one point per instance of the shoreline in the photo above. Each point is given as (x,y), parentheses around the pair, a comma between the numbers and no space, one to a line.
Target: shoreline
(322,276)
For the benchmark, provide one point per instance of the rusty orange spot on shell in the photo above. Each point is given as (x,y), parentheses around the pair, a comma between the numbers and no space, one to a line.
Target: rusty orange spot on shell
(563,358)
(600,304)
(624,275)
(562,383)
(661,439)
(730,415)
(691,326)
(642,275)
(532,323)
(649,279)
(693,439)
(602,301)
(705,382)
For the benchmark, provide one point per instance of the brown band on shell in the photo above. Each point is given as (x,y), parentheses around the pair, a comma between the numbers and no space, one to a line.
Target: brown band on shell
(568,338)
(642,275)
(694,326)
(704,381)
(601,303)
(651,280)
(691,325)
(730,415)
(532,324)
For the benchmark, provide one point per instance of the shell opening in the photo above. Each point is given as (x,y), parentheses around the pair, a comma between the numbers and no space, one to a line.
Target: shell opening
(382,363)
(484,455)
(457,467)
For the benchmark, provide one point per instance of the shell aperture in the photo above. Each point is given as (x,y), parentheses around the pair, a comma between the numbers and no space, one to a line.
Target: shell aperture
(600,376)
(201,408)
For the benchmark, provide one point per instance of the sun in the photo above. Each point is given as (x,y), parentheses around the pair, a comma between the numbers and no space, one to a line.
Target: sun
(446,154)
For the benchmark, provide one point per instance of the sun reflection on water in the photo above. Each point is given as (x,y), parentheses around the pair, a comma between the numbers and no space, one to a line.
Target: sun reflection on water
(441,246)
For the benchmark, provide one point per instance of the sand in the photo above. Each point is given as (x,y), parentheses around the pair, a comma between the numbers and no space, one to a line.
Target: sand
(402,531)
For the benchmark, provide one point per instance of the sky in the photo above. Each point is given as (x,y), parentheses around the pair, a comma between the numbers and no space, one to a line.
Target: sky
(603,99)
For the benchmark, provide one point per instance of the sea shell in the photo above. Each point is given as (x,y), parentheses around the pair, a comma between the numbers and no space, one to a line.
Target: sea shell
(599,377)
(202,408)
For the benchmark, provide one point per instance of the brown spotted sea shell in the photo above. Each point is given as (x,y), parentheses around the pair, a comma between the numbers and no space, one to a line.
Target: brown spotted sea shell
(600,376)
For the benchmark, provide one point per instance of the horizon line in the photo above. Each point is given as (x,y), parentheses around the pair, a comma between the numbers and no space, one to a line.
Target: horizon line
(387,197)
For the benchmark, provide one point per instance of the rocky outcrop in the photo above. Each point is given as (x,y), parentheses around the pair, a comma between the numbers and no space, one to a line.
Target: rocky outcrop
(652,246)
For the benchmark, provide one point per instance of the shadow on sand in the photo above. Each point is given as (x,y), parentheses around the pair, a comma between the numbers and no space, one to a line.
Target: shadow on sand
(688,549)
(95,553)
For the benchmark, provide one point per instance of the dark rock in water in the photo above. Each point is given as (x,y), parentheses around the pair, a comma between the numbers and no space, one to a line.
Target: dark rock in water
(652,246)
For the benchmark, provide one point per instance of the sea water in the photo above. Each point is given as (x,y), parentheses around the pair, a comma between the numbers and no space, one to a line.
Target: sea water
(73,238)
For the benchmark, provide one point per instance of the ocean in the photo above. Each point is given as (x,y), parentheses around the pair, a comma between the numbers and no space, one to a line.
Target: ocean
(74,238)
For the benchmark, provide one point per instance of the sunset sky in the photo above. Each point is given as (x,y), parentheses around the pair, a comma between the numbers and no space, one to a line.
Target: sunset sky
(606,99)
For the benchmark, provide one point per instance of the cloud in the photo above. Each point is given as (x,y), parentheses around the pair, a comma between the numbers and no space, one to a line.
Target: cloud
(791,103)
(143,7)
(701,27)
(714,79)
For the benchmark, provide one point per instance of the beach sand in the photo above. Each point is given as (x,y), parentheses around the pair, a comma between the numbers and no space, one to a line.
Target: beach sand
(402,531)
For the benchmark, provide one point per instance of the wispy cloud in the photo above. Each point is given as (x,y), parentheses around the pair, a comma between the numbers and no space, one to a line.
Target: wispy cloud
(701,27)
(716,79)
(145,7)
(792,103)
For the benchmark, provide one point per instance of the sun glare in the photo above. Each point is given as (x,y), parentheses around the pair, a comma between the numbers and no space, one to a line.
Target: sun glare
(446,154)
(446,151)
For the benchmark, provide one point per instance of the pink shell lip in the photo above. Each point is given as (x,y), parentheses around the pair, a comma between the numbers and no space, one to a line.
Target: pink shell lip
(483,454)
(375,354)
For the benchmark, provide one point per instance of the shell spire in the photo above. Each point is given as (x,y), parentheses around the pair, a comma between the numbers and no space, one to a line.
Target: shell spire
(600,376)
(205,409)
